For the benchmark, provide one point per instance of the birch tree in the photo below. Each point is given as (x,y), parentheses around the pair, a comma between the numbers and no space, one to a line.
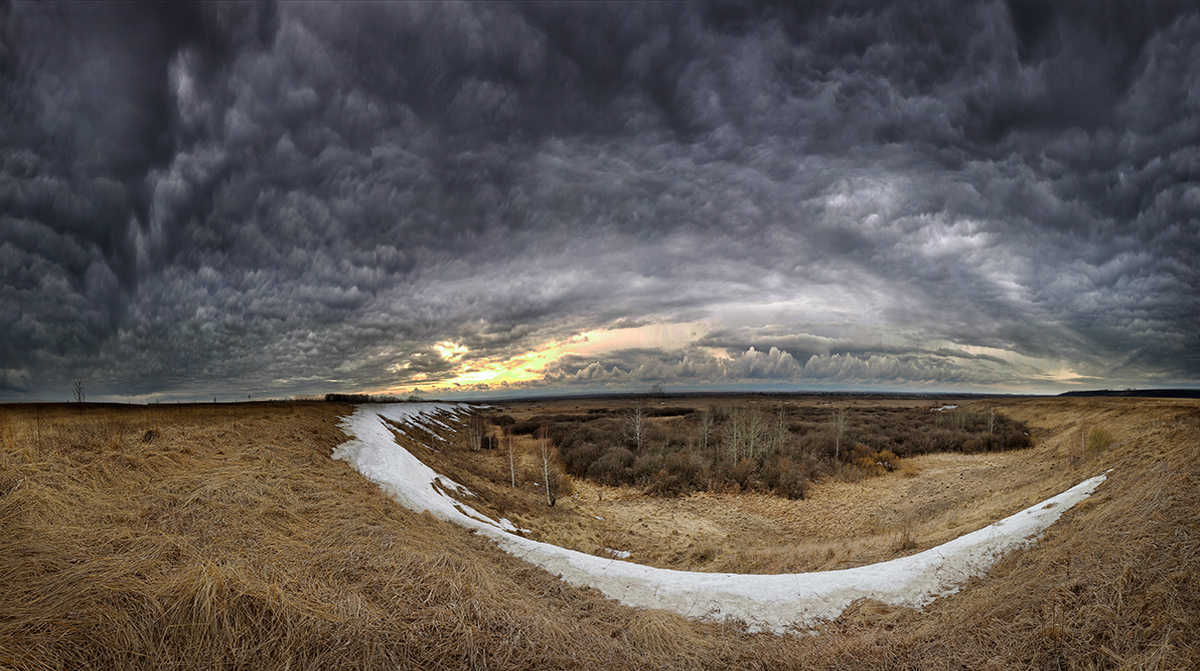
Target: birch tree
(635,420)
(754,432)
(733,432)
(706,426)
(512,462)
(781,434)
(544,440)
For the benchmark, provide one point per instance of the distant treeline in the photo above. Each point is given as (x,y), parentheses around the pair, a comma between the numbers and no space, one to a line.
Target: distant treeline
(1138,393)
(369,398)
(531,425)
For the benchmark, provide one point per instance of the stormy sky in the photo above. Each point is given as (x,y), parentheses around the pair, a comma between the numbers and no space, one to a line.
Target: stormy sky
(276,200)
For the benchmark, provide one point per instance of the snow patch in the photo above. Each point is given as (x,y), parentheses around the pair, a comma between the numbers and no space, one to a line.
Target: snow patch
(507,525)
(777,603)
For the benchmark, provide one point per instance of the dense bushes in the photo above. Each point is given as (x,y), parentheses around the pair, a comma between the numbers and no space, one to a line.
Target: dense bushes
(669,412)
(785,476)
(531,425)
(777,449)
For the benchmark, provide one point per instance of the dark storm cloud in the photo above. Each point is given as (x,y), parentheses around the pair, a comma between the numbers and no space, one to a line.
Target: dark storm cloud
(296,198)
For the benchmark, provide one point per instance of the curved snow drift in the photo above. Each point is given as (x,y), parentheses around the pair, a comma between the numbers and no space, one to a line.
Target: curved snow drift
(775,603)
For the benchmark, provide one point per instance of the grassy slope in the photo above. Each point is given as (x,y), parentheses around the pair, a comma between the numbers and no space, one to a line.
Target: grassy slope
(231,540)
(935,498)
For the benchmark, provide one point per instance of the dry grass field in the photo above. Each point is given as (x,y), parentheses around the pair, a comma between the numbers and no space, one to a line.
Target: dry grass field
(224,536)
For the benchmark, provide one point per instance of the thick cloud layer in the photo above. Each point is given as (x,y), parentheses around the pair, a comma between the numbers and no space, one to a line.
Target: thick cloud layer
(250,199)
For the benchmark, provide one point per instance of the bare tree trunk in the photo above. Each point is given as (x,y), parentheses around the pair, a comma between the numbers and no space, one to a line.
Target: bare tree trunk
(706,427)
(782,434)
(636,419)
(546,473)
(839,425)
(733,434)
(512,464)
(79,394)
(476,426)
(544,438)
(754,431)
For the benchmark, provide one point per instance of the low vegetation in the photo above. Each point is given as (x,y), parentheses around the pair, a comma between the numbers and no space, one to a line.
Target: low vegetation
(671,451)
(224,537)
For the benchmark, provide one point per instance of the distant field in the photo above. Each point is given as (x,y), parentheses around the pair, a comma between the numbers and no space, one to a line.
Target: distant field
(224,536)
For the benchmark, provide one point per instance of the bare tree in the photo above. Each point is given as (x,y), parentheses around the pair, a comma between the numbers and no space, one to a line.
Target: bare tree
(991,421)
(755,428)
(635,421)
(544,440)
(476,427)
(80,396)
(512,463)
(839,427)
(733,432)
(781,435)
(744,433)
(706,426)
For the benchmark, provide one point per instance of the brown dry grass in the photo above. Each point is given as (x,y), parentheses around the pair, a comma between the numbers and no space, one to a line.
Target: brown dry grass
(231,540)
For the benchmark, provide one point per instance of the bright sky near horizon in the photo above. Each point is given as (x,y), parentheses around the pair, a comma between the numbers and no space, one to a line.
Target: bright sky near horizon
(289,199)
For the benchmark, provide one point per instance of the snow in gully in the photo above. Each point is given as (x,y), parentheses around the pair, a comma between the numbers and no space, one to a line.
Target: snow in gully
(777,603)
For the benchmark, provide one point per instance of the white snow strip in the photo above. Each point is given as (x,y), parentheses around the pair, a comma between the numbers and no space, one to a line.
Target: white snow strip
(777,603)
(434,420)
(945,407)
(507,525)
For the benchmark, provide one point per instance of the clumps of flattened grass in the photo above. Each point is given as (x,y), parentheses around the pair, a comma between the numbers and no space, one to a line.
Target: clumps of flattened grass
(234,542)
(1098,440)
